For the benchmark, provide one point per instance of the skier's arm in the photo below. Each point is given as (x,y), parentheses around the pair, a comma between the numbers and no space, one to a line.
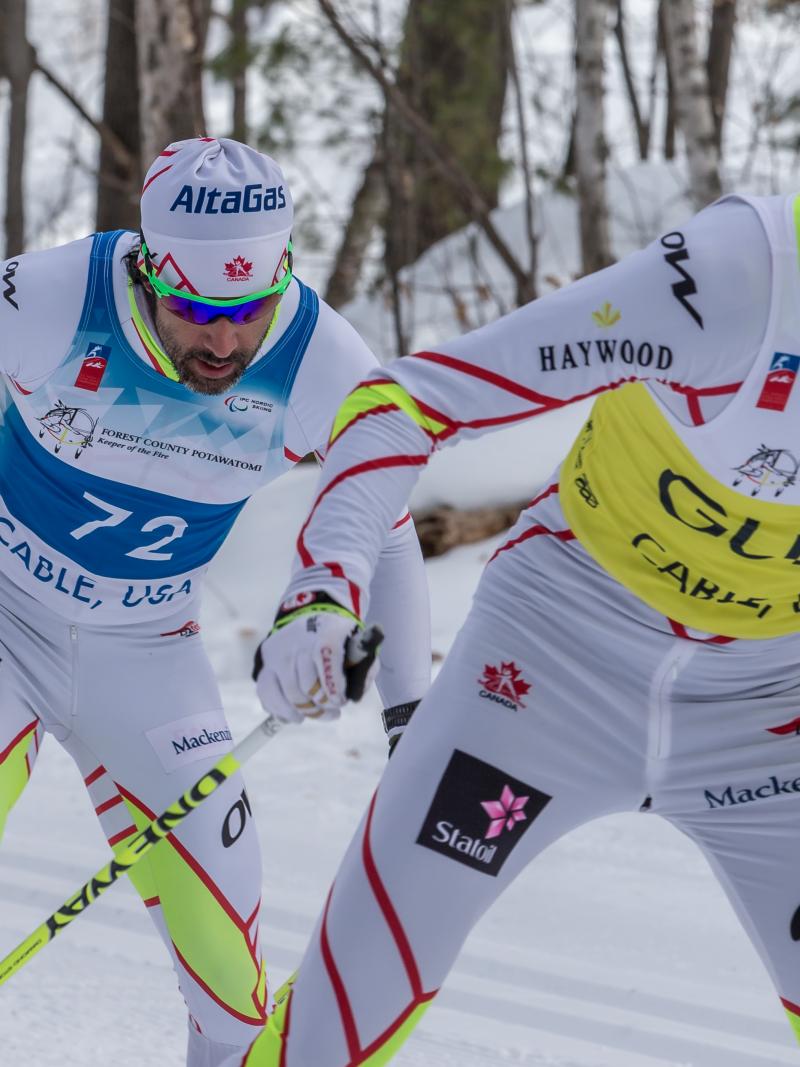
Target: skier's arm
(399,603)
(639,319)
(337,358)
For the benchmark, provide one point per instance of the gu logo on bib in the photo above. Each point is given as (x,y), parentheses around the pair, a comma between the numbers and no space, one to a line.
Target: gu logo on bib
(779,382)
(479,813)
(93,367)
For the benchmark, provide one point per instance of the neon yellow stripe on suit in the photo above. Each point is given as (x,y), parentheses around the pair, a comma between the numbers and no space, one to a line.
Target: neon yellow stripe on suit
(14,774)
(267,1048)
(188,904)
(368,397)
(794,1022)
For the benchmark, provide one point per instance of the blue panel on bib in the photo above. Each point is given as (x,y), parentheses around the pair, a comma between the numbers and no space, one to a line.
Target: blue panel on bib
(109,528)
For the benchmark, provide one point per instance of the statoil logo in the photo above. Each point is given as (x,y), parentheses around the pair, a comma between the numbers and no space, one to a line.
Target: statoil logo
(479,833)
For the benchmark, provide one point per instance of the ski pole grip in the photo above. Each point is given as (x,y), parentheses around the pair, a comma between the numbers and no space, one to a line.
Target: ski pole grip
(360,652)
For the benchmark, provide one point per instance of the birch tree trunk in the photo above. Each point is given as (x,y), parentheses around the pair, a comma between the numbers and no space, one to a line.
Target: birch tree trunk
(591,151)
(16,61)
(171,43)
(692,101)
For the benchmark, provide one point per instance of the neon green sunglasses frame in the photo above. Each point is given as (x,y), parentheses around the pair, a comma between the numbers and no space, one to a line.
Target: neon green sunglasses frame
(161,288)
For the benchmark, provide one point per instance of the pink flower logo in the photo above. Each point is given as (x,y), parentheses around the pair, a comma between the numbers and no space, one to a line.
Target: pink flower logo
(504,813)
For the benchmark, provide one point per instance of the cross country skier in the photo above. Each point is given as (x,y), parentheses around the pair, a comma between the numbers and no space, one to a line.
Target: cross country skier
(634,644)
(155,382)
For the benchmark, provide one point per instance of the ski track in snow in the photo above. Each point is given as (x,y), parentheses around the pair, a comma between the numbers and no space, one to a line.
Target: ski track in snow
(508,1008)
(508,1001)
(528,1003)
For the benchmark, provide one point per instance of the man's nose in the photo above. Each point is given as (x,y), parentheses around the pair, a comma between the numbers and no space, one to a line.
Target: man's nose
(220,337)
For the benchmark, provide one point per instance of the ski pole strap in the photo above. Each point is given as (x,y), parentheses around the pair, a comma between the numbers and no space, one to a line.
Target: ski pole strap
(395,720)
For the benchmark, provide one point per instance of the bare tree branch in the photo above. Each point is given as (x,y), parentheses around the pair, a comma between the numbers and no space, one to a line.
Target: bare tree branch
(459,181)
(107,136)
(642,126)
(513,70)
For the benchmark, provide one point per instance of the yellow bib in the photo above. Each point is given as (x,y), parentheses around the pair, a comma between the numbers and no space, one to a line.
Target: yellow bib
(684,543)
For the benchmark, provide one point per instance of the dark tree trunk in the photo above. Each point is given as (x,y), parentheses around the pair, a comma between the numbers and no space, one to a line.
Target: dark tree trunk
(17,63)
(720,46)
(453,71)
(119,181)
(368,210)
(171,48)
(239,59)
(641,125)
(452,172)
(670,123)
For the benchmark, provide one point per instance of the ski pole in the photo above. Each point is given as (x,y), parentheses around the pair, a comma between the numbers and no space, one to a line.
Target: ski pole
(361,651)
(138,847)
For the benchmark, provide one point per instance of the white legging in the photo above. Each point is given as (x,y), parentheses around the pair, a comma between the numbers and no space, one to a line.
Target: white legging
(563,699)
(138,709)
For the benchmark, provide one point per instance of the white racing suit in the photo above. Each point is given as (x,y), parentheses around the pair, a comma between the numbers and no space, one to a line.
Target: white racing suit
(117,486)
(632,646)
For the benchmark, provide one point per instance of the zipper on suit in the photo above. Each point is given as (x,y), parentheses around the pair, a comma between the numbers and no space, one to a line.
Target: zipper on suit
(73,640)
(659,732)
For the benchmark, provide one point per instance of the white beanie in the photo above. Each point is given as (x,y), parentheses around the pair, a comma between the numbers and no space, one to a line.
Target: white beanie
(216,217)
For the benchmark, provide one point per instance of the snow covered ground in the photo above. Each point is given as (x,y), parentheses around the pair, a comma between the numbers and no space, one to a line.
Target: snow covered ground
(616,949)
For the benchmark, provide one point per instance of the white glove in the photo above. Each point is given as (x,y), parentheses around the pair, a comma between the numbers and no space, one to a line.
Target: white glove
(302,675)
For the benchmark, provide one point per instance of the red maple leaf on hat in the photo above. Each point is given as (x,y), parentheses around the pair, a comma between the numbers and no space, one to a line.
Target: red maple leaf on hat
(238,269)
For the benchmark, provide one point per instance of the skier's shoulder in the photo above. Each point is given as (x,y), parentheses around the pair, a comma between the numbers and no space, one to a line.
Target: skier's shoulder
(726,234)
(50,275)
(722,256)
(336,358)
(42,294)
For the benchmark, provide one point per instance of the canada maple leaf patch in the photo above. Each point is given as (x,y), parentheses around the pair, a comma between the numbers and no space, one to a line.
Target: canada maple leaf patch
(505,680)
